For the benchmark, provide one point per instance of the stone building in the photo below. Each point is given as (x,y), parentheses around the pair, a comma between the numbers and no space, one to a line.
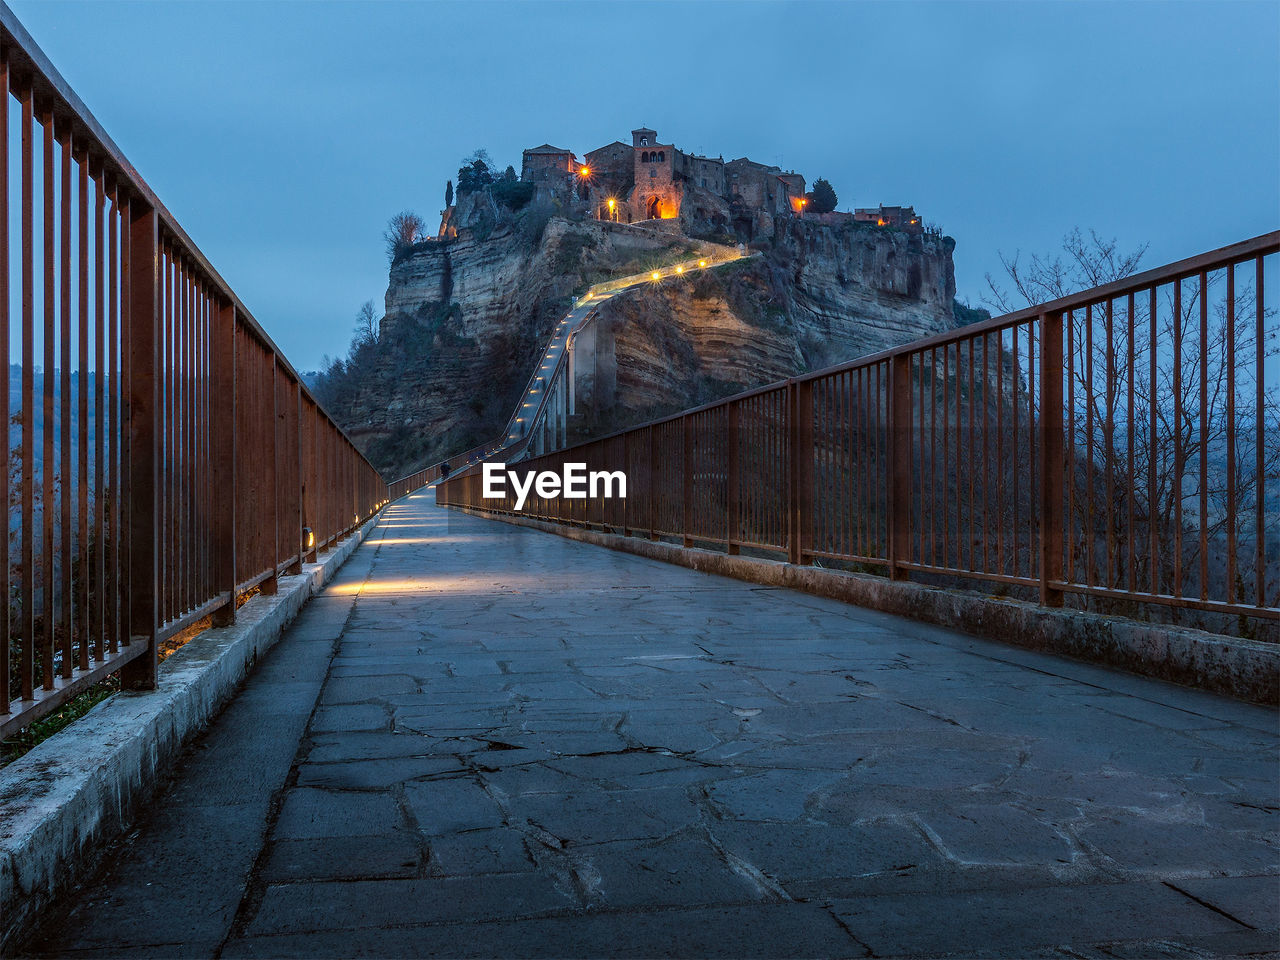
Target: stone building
(547,163)
(899,218)
(759,194)
(651,180)
(655,195)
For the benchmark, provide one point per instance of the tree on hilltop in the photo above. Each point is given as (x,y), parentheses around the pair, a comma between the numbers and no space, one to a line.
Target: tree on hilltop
(448,193)
(822,199)
(476,172)
(403,230)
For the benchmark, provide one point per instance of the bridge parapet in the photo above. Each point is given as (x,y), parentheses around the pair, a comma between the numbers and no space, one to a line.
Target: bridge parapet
(1118,449)
(170,458)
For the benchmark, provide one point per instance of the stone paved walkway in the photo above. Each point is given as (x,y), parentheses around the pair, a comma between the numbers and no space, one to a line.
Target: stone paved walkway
(482,740)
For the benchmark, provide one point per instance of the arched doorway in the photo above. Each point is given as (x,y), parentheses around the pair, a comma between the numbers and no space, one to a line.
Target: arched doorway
(655,208)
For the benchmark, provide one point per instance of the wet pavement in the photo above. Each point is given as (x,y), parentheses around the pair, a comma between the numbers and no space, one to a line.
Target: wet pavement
(483,740)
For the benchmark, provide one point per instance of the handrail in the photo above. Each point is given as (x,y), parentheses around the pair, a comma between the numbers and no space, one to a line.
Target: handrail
(27,58)
(172,457)
(1118,446)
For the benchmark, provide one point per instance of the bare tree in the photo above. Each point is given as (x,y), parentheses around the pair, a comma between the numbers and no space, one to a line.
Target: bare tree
(368,326)
(1089,263)
(1162,423)
(403,231)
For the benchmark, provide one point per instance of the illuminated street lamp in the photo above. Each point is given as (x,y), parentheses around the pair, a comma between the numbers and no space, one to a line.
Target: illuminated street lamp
(655,275)
(702,263)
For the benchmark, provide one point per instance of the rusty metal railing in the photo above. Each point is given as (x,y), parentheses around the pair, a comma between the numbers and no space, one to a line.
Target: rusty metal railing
(1120,446)
(168,456)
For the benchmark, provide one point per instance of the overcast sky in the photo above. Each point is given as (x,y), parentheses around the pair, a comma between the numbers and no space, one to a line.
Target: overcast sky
(283,135)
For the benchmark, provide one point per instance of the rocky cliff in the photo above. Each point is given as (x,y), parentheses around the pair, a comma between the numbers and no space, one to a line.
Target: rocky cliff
(817,296)
(466,319)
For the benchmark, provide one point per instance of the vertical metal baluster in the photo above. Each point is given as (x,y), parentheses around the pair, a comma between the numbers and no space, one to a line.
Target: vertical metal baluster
(99,363)
(947,500)
(969,465)
(83,320)
(168,504)
(1000,502)
(1153,502)
(144,321)
(67,615)
(1260,407)
(1204,435)
(1089,533)
(1229,364)
(1110,452)
(1017,468)
(1131,492)
(1034,532)
(1176,481)
(986,452)
(124,590)
(113,458)
(6,570)
(1051,459)
(933,499)
(47,509)
(27,653)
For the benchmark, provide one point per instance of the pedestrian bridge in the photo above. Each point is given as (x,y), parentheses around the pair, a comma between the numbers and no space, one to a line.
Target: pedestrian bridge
(486,740)
(489,735)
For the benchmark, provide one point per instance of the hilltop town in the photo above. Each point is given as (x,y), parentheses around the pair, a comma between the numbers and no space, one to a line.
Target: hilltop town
(650,182)
(469,308)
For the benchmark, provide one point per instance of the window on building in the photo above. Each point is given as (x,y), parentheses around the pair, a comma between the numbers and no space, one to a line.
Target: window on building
(653,172)
(662,156)
(644,141)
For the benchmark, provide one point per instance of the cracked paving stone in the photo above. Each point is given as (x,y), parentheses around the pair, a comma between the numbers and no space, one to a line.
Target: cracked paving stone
(528,746)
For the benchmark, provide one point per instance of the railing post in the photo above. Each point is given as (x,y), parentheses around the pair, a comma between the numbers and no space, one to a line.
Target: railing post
(222,429)
(653,483)
(312,413)
(899,478)
(733,495)
(626,465)
(1052,462)
(271,585)
(142,336)
(293,446)
(800,461)
(686,522)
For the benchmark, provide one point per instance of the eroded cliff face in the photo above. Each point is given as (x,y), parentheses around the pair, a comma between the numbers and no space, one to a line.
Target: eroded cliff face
(466,320)
(857,290)
(819,296)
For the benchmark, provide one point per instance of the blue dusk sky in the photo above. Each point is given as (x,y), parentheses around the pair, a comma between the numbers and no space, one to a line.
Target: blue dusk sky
(283,135)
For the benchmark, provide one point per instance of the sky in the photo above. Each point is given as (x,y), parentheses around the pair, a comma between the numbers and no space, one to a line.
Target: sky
(284,135)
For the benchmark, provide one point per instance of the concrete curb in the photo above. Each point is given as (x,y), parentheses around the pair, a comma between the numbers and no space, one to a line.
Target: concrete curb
(81,788)
(1244,669)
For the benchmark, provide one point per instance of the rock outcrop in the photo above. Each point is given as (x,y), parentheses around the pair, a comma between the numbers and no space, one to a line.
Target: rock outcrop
(819,296)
